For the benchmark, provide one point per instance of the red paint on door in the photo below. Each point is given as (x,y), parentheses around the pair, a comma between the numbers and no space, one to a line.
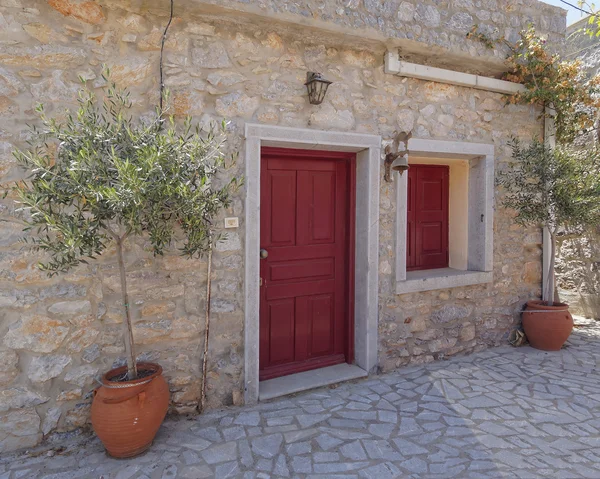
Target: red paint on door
(307,228)
(427,225)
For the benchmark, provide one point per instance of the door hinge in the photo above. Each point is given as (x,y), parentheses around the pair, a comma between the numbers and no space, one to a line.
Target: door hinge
(260,282)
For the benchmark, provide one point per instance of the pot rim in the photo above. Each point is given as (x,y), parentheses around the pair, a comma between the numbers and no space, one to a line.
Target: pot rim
(157,368)
(540,304)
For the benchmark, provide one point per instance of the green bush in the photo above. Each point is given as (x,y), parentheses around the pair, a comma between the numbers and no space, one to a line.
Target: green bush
(553,188)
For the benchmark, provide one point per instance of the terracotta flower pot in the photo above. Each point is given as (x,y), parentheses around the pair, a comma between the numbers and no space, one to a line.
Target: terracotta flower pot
(547,327)
(127,415)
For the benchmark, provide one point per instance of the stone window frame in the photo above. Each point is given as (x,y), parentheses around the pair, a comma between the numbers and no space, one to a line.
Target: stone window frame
(366,289)
(480,247)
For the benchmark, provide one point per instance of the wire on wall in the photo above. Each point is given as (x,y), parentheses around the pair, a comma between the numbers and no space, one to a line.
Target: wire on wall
(162,48)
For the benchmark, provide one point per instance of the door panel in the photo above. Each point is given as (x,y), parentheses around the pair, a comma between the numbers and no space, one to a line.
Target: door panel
(281,327)
(321,324)
(432,234)
(305,292)
(321,220)
(282,185)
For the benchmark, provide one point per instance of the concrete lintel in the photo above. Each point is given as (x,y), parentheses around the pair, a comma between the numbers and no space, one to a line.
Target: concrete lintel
(395,66)
(306,138)
(449,149)
(445,278)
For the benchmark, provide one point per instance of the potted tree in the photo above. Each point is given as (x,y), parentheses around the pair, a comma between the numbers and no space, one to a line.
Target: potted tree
(556,188)
(97,179)
(553,186)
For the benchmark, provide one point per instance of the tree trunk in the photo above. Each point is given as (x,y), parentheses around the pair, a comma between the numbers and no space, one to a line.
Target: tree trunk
(206,333)
(550,282)
(555,295)
(127,328)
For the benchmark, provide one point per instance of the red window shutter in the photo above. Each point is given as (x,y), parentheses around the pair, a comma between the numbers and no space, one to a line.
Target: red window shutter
(427,228)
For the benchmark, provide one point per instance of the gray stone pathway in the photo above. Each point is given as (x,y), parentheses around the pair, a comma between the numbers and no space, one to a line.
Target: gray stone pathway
(514,413)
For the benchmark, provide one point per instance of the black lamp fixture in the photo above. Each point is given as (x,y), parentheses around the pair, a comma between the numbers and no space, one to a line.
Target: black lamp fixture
(317,87)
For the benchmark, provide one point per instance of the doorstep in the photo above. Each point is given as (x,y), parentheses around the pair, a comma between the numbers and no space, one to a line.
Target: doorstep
(306,380)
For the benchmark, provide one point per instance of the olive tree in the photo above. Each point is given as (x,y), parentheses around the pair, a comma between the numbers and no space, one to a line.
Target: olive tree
(98,177)
(557,188)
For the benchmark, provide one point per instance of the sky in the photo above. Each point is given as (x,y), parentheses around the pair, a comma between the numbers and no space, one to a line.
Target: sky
(573,15)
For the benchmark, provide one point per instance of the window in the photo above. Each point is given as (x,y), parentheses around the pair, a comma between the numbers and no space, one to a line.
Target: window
(427,217)
(444,216)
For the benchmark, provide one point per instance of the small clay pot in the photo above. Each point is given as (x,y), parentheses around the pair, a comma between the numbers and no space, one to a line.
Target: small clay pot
(547,327)
(127,415)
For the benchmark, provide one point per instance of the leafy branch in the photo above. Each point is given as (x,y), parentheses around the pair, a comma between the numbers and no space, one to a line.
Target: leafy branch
(549,82)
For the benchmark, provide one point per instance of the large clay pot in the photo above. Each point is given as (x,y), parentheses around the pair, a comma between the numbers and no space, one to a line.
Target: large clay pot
(547,327)
(127,415)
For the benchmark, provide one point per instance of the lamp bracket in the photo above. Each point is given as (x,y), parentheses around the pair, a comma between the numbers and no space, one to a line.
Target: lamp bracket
(392,152)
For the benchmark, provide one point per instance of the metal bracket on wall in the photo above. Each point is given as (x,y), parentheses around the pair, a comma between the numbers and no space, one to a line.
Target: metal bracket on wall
(394,159)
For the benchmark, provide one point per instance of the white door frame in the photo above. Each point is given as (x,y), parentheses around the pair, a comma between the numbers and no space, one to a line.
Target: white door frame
(368,161)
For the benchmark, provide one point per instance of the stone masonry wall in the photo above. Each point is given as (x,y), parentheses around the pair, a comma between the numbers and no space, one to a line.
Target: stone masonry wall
(578,272)
(578,255)
(433,29)
(57,335)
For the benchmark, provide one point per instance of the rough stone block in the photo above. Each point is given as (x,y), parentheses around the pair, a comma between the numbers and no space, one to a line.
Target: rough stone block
(87,12)
(20,397)
(211,56)
(44,368)
(71,308)
(9,361)
(38,334)
(450,313)
(19,429)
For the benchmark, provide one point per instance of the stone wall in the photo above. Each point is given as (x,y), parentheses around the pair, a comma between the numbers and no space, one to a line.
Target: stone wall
(427,326)
(578,272)
(58,334)
(578,255)
(582,46)
(432,30)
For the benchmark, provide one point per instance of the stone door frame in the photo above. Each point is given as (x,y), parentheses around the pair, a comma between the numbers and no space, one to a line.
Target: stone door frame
(368,161)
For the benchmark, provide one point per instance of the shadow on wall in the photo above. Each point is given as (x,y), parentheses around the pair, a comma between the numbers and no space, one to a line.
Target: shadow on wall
(578,272)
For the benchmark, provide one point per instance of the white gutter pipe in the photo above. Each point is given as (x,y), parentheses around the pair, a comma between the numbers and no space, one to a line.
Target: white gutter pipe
(549,140)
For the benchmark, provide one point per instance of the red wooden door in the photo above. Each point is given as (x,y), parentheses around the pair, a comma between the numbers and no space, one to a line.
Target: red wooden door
(427,225)
(307,231)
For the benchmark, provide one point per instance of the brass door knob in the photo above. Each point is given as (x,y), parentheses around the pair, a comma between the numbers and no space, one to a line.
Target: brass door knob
(263,254)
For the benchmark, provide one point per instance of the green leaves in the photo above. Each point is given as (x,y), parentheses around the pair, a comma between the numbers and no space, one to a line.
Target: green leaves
(99,175)
(556,188)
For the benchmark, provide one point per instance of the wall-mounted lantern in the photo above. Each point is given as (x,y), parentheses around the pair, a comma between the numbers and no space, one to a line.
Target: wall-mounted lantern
(317,87)
(395,159)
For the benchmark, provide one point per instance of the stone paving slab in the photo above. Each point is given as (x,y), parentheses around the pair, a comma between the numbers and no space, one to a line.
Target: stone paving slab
(502,413)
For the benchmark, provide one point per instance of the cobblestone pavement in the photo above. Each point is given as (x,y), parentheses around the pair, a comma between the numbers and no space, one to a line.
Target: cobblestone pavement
(501,413)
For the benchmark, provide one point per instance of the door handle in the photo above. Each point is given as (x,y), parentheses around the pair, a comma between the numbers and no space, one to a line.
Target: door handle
(264,254)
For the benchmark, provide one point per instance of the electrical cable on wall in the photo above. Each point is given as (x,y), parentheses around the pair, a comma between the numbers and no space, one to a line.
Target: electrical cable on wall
(162,48)
(202,401)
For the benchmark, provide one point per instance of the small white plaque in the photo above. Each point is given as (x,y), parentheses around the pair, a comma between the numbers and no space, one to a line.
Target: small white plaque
(232,222)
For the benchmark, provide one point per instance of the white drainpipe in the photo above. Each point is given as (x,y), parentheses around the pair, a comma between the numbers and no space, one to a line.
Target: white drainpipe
(549,140)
